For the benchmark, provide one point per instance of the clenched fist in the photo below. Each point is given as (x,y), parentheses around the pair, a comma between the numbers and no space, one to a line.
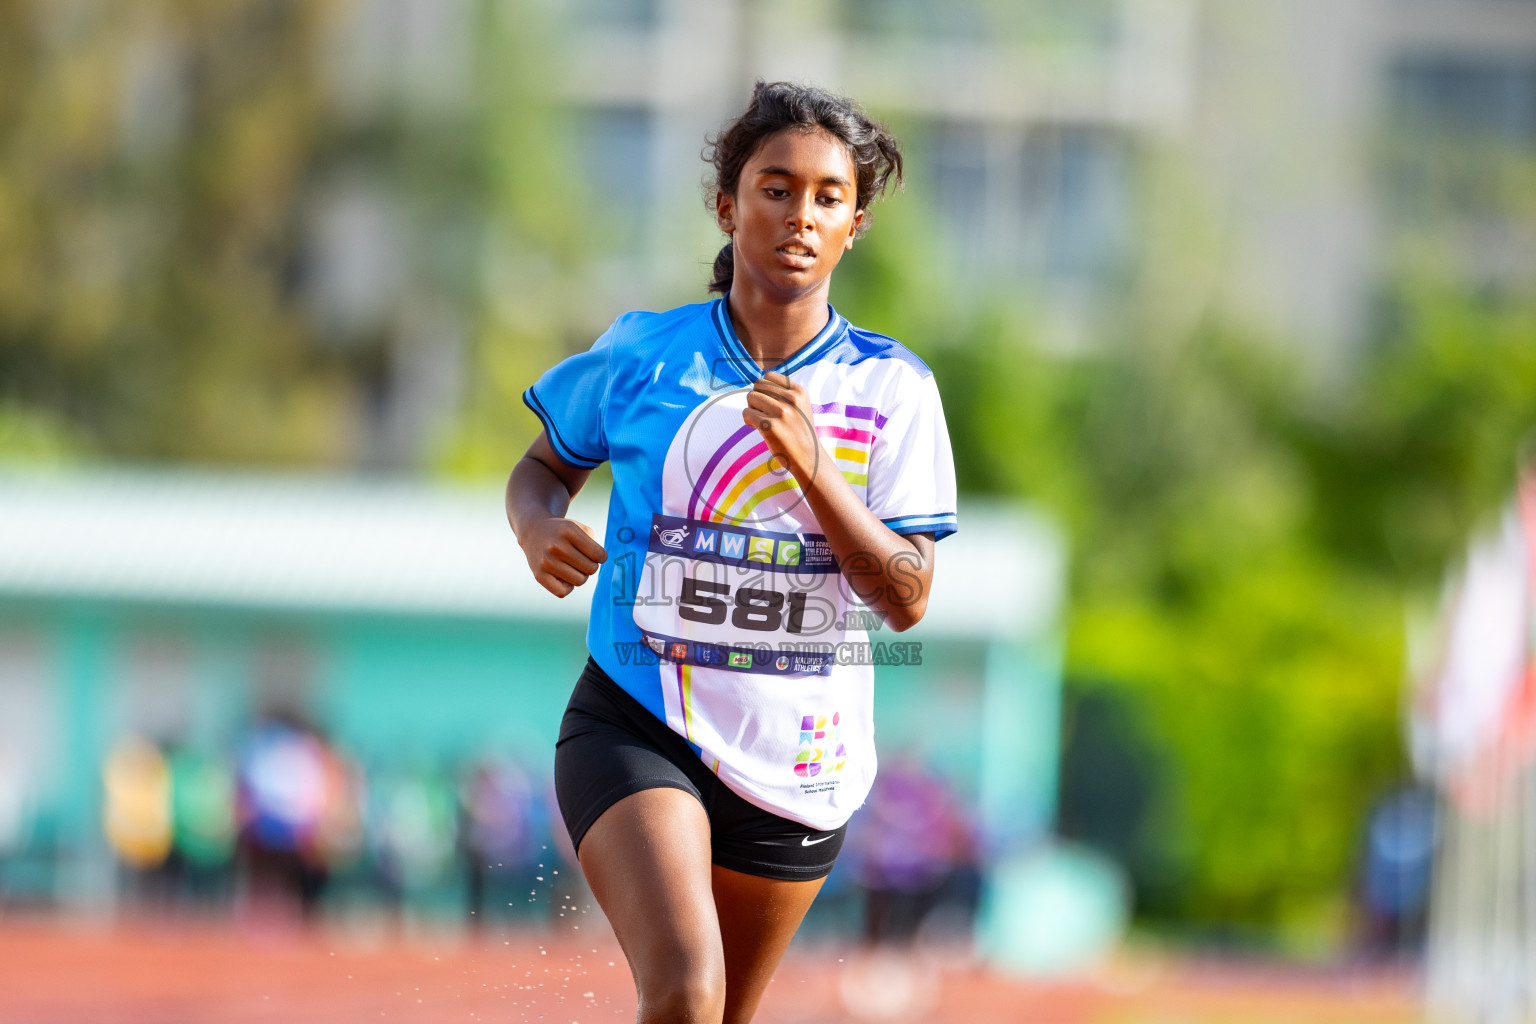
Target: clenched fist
(562,553)
(780,410)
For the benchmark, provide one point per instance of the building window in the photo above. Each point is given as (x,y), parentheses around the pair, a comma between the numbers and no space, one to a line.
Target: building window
(963,180)
(1077,190)
(615,149)
(1045,205)
(1457,126)
(632,14)
(961,18)
(1037,22)
(1467,98)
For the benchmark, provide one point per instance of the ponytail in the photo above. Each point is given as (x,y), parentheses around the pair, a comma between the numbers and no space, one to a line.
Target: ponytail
(724,269)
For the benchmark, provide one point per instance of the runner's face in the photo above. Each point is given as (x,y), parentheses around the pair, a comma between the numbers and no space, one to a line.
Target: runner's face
(793,215)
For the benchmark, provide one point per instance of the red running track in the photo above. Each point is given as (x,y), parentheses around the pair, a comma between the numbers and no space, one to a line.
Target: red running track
(54,972)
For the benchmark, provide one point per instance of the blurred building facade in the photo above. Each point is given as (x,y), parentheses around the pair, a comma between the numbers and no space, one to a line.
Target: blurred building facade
(1021,121)
(1324,137)
(1316,150)
(1345,141)
(1022,124)
(421,204)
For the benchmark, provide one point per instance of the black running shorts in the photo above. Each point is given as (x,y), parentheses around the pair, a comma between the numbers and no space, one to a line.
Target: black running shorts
(610,746)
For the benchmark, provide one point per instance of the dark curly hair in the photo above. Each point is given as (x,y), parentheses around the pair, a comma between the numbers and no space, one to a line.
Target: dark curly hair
(783,106)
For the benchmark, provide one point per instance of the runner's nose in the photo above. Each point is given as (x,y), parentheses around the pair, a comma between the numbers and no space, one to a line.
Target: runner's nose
(802,212)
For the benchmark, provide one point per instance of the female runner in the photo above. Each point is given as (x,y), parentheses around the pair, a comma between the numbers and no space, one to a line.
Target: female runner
(780,478)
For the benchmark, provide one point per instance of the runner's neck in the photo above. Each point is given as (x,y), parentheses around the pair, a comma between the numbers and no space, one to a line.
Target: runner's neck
(777,331)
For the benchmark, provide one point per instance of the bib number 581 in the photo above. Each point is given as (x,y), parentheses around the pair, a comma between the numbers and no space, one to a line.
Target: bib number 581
(761,610)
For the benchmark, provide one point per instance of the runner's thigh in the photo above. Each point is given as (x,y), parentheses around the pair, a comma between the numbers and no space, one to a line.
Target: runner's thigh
(647,859)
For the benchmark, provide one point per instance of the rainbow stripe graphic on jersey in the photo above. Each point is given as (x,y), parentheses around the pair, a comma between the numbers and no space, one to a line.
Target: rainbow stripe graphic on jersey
(685,692)
(742,472)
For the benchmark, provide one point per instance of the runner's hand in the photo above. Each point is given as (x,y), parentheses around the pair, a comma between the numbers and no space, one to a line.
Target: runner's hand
(780,410)
(562,553)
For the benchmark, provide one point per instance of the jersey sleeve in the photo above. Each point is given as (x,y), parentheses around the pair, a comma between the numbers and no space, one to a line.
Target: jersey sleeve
(571,400)
(911,467)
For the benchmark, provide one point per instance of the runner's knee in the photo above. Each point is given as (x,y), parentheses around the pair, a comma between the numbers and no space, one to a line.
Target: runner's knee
(684,993)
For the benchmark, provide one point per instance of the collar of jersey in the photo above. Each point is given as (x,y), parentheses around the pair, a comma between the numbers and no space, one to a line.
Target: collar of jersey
(748,368)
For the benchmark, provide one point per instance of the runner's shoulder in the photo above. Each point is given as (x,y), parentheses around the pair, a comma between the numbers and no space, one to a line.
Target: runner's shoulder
(642,330)
(859,344)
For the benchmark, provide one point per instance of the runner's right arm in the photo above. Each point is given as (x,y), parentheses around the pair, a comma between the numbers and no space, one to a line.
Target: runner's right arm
(561,552)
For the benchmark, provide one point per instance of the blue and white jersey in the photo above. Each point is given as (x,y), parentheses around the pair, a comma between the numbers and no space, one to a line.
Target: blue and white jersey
(721,607)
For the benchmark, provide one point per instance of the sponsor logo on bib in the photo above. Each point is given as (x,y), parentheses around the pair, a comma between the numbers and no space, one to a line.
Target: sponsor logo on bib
(672,538)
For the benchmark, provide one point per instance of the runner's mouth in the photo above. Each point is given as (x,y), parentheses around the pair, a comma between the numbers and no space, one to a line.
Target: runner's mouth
(797,255)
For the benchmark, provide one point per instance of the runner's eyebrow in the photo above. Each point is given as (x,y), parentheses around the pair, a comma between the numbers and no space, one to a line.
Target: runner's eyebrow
(785,172)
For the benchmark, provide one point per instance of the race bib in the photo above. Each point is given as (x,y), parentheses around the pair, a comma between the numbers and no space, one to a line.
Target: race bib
(738,598)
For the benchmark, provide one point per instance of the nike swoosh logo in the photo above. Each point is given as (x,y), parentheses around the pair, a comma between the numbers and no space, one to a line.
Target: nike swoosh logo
(808,841)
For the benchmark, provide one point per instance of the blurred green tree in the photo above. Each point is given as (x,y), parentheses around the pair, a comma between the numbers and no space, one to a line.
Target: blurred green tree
(150,168)
(238,231)
(1245,541)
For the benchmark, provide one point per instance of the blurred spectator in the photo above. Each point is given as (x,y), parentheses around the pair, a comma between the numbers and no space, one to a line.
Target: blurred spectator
(412,828)
(339,841)
(137,809)
(496,836)
(913,851)
(202,824)
(136,816)
(1399,851)
(284,786)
